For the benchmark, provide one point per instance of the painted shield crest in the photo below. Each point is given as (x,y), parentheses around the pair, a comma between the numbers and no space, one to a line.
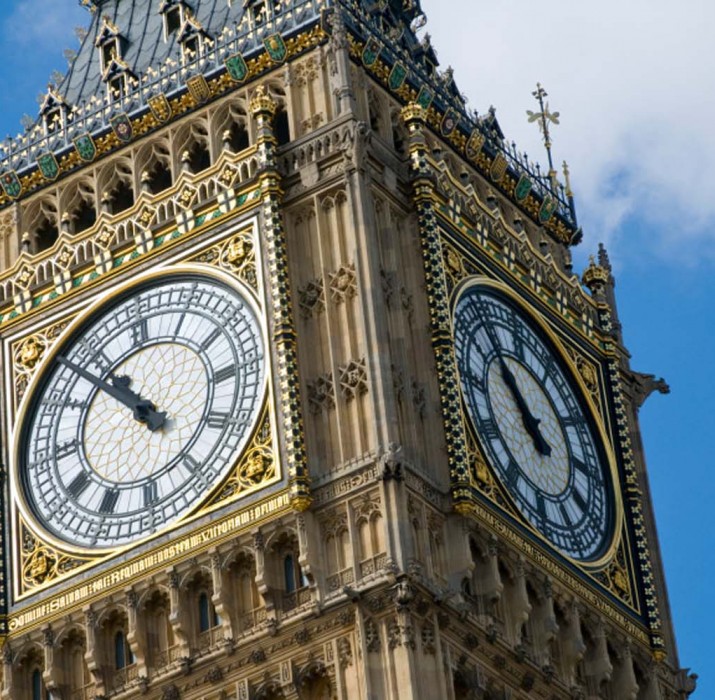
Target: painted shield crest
(160,107)
(11,184)
(276,48)
(371,51)
(122,127)
(47,163)
(547,209)
(449,122)
(198,88)
(498,169)
(236,67)
(85,147)
(474,145)
(397,76)
(522,189)
(425,97)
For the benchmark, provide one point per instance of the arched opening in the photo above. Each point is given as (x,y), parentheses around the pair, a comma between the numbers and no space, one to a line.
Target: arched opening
(282,127)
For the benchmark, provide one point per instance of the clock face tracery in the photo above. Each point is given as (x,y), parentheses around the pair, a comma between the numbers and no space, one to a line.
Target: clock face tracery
(532,422)
(142,410)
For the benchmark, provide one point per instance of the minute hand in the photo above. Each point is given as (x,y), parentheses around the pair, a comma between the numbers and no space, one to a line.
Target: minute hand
(143,410)
(530,422)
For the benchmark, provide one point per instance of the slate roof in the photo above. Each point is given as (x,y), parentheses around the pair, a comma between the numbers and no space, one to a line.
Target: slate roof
(141,27)
(155,62)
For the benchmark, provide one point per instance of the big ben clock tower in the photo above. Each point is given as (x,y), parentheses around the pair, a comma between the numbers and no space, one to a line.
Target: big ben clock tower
(301,397)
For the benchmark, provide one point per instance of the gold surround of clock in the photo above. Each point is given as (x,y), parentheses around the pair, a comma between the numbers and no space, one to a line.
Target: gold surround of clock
(78,499)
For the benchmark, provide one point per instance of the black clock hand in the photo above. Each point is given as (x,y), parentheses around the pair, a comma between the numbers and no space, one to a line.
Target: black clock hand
(530,422)
(143,410)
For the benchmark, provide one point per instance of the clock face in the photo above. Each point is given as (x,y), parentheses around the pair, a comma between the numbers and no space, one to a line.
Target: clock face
(142,410)
(533,423)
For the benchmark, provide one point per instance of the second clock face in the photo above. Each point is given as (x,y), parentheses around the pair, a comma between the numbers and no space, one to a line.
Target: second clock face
(531,421)
(142,410)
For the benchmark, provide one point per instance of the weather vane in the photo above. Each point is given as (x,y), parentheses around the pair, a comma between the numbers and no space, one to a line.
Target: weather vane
(544,117)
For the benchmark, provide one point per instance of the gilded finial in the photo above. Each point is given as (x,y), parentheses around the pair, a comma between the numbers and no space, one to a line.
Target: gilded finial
(544,117)
(595,277)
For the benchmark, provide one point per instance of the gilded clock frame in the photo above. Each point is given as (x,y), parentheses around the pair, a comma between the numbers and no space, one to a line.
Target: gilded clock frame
(567,363)
(232,254)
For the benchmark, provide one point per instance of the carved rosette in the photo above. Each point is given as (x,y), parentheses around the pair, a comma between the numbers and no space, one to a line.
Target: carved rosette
(27,355)
(257,466)
(41,563)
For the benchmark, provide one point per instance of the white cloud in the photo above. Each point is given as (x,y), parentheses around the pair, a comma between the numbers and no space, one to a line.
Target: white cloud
(633,81)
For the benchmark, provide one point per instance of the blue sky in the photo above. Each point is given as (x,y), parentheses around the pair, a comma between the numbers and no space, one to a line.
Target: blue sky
(633,83)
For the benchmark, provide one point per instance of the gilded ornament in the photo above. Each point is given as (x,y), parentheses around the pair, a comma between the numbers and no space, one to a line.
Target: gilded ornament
(30,352)
(238,249)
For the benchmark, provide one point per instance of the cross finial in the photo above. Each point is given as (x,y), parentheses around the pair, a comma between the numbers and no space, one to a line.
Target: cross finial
(544,117)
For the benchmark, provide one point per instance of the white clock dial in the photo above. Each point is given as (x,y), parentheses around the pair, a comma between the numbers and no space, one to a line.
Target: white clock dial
(531,420)
(142,410)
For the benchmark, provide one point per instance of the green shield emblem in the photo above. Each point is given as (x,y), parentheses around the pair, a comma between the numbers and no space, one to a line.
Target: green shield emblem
(122,127)
(547,209)
(11,184)
(276,48)
(85,147)
(522,189)
(371,51)
(47,163)
(236,67)
(424,99)
(397,76)
(449,122)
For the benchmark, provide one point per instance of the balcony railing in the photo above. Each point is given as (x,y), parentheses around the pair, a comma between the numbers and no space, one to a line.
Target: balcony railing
(124,676)
(86,692)
(210,638)
(372,565)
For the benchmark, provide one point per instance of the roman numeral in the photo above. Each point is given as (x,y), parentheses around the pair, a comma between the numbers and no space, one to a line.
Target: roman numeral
(583,468)
(225,373)
(211,338)
(179,324)
(66,449)
(512,475)
(151,493)
(191,464)
(579,500)
(565,515)
(140,331)
(101,362)
(109,501)
(217,420)
(78,484)
(541,507)
(489,429)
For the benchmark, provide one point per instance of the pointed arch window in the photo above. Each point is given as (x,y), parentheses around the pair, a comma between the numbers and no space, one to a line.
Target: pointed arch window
(54,111)
(123,655)
(208,617)
(191,36)
(174,13)
(109,43)
(37,685)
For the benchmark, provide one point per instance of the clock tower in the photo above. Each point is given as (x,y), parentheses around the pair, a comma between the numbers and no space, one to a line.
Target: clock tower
(301,396)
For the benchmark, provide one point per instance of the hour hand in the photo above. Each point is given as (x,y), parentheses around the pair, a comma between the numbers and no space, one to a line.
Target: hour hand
(531,423)
(143,410)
